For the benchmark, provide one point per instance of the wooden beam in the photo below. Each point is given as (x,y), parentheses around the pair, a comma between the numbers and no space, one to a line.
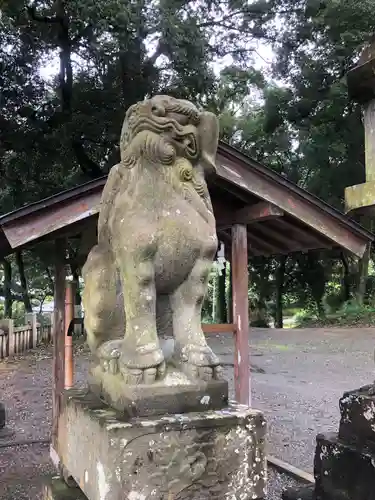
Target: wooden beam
(234,191)
(310,240)
(264,243)
(259,212)
(267,232)
(58,362)
(240,285)
(290,244)
(218,328)
(292,471)
(291,202)
(35,226)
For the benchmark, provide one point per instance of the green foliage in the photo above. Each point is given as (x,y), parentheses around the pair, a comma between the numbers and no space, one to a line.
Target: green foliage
(60,131)
(350,314)
(304,318)
(294,114)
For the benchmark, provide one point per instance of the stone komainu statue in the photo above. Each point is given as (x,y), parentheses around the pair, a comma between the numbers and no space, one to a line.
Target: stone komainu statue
(147,275)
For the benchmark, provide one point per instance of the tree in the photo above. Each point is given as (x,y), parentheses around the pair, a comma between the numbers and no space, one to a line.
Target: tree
(61,130)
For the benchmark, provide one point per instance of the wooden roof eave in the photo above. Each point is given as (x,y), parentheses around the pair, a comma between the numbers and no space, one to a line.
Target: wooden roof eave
(322,219)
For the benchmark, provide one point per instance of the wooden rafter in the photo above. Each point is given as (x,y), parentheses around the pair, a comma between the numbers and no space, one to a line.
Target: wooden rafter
(294,204)
(259,212)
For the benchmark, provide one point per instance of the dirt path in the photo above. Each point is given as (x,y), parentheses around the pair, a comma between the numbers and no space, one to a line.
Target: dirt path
(299,376)
(25,389)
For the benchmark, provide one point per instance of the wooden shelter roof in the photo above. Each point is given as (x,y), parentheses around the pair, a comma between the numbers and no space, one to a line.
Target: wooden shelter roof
(281,217)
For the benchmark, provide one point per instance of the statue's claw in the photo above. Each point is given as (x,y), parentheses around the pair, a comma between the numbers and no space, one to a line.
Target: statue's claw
(108,354)
(199,362)
(144,366)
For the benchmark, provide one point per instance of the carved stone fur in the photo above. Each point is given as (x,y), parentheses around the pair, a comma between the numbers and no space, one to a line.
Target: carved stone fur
(156,243)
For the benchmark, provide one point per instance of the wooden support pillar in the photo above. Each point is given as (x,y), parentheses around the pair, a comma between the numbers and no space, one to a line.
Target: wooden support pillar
(229,296)
(240,285)
(58,341)
(69,316)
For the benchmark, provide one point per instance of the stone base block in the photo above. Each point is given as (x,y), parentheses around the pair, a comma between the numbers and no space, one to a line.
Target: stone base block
(357,425)
(302,493)
(343,471)
(56,489)
(174,394)
(209,455)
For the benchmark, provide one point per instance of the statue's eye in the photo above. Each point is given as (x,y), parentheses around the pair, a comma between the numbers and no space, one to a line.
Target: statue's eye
(158,110)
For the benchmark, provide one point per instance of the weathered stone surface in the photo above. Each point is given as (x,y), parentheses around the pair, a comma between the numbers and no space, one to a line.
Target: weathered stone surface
(301,493)
(343,471)
(357,424)
(176,393)
(2,416)
(56,489)
(149,272)
(211,455)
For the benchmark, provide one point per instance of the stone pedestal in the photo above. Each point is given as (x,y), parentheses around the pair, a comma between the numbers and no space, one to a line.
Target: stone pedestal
(344,465)
(216,454)
(176,393)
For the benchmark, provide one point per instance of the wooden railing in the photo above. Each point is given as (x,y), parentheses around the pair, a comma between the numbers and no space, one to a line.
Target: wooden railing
(16,340)
(213,328)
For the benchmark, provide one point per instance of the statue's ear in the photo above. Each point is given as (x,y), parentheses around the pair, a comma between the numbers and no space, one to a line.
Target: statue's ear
(124,130)
(208,133)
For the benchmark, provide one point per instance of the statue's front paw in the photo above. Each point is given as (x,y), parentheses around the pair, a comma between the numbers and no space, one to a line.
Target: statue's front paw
(143,365)
(199,362)
(109,354)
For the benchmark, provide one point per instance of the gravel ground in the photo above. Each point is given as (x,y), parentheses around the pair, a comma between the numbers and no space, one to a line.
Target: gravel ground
(298,377)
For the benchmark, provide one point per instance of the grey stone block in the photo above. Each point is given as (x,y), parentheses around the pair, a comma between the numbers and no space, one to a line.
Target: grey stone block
(301,493)
(357,424)
(342,471)
(209,455)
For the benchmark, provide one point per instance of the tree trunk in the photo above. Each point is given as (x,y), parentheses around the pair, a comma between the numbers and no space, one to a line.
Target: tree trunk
(77,293)
(7,266)
(66,71)
(363,275)
(23,280)
(280,275)
(316,279)
(346,278)
(221,312)
(320,308)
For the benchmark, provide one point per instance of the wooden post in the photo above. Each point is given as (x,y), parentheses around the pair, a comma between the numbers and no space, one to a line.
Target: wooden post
(58,341)
(8,326)
(230,295)
(69,316)
(240,285)
(31,319)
